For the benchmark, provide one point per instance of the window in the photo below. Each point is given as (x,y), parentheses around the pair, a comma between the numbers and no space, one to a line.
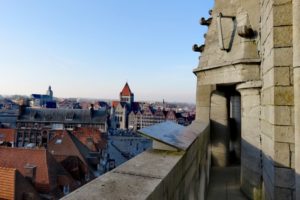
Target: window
(58,141)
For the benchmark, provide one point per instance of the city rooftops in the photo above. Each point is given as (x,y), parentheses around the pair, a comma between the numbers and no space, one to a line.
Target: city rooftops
(63,115)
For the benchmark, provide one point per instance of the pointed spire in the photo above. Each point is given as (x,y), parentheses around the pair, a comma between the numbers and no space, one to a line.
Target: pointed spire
(126,90)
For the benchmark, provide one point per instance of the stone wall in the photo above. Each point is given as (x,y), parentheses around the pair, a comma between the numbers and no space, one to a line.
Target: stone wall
(262,68)
(156,174)
(277,99)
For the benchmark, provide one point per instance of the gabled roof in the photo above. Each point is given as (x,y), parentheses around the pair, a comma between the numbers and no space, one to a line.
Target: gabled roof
(136,106)
(148,110)
(63,145)
(47,169)
(114,104)
(91,138)
(159,112)
(126,90)
(14,186)
(122,105)
(66,144)
(171,114)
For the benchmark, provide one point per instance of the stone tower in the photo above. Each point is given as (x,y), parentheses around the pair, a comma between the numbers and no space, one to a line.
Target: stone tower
(248,88)
(126,95)
(49,92)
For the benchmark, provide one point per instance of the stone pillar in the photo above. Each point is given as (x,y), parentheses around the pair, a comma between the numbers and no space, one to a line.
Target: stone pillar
(251,168)
(219,130)
(203,102)
(296,66)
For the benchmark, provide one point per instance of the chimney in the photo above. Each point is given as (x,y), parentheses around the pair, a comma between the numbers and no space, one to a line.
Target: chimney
(92,110)
(30,172)
(22,105)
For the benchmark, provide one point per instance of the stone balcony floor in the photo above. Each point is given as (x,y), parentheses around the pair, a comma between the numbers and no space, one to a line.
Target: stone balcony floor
(225,184)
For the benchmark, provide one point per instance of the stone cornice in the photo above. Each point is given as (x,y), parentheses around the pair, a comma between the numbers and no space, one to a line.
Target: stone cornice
(250,61)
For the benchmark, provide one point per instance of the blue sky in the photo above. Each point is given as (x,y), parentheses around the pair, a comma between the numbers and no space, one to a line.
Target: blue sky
(91,48)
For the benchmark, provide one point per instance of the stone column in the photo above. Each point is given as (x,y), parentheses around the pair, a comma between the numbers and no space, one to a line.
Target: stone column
(220,136)
(251,169)
(296,66)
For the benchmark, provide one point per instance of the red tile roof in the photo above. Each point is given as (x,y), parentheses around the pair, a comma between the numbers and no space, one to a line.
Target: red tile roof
(7,135)
(47,169)
(62,146)
(114,104)
(91,138)
(126,90)
(72,154)
(7,183)
(14,186)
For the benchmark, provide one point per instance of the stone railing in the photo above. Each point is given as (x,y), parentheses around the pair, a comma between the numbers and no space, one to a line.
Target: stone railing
(156,174)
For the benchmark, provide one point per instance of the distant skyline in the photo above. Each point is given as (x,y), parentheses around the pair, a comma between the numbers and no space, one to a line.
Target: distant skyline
(89,49)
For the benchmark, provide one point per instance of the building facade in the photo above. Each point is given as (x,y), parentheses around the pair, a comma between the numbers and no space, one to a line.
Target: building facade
(43,100)
(248,88)
(121,109)
(38,125)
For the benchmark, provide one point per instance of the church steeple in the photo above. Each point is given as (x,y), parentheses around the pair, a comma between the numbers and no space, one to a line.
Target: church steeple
(126,95)
(49,92)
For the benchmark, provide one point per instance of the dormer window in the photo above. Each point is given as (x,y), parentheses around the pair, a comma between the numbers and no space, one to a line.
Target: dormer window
(58,141)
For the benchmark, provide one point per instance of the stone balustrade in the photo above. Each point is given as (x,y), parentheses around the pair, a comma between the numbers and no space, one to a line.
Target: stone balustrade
(156,174)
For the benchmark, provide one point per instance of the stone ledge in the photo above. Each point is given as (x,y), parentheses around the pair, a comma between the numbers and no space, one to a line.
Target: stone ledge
(224,64)
(229,74)
(153,174)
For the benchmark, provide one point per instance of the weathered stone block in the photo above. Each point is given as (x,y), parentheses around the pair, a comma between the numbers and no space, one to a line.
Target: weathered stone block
(267,96)
(282,76)
(283,36)
(283,56)
(285,178)
(278,76)
(282,13)
(282,154)
(281,193)
(283,96)
(293,160)
(277,115)
(267,146)
(267,129)
(282,115)
(279,95)
(278,2)
(284,134)
(268,61)
(252,177)
(229,74)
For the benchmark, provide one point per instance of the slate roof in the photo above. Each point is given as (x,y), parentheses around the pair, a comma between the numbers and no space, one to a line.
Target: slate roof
(40,96)
(136,106)
(63,115)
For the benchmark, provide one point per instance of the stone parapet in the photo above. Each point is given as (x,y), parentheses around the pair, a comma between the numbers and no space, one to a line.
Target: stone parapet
(156,174)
